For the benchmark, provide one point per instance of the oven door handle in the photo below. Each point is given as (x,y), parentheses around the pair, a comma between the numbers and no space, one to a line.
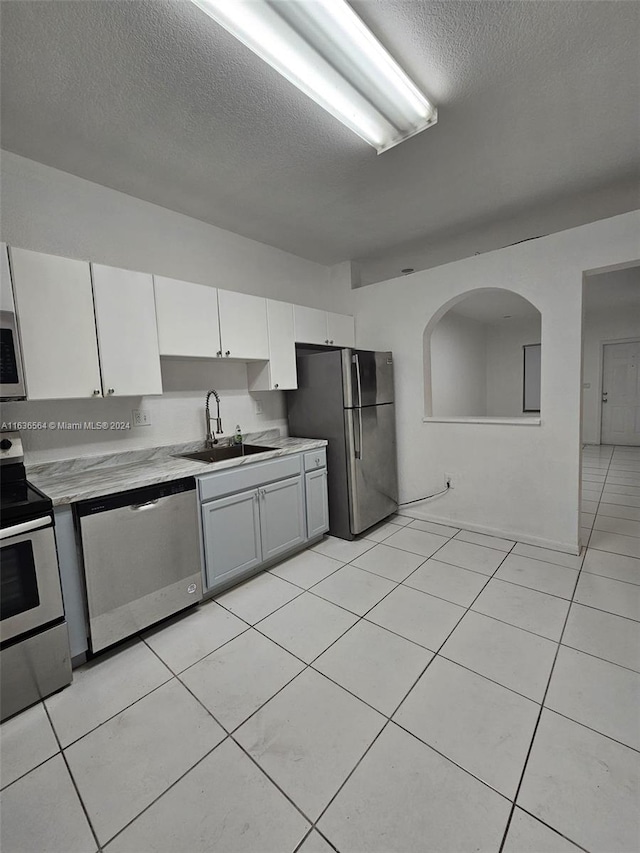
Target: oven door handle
(25,527)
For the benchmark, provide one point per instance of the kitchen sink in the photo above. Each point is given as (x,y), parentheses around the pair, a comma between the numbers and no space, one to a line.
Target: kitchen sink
(218,453)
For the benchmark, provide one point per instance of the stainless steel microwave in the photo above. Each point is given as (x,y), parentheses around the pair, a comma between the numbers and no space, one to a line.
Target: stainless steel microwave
(11,376)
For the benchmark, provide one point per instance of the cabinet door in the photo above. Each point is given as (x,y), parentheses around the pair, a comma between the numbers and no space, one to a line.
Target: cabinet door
(243,325)
(317,502)
(282,347)
(57,326)
(281,516)
(310,325)
(127,334)
(341,330)
(231,530)
(187,317)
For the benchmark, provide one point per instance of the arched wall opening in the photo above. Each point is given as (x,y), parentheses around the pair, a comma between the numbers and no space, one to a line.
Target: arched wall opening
(482,353)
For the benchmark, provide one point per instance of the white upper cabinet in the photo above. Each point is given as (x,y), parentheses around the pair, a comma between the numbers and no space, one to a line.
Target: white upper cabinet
(243,326)
(310,325)
(279,373)
(57,327)
(341,330)
(187,316)
(127,334)
(323,327)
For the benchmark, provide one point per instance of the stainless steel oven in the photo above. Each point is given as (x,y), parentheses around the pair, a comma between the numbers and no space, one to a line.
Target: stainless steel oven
(34,643)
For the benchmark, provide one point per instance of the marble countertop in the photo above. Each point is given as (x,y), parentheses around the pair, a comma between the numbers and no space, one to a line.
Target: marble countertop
(70,480)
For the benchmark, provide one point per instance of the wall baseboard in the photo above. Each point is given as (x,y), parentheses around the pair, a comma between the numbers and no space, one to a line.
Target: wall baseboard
(518,536)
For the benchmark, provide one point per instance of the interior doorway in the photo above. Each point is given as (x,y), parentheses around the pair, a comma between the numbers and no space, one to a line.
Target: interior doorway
(620,416)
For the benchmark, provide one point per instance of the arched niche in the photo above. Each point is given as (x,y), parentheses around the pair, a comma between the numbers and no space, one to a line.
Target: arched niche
(482,355)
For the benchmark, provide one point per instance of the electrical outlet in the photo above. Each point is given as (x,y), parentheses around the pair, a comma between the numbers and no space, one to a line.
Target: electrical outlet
(141,417)
(259,409)
(449,481)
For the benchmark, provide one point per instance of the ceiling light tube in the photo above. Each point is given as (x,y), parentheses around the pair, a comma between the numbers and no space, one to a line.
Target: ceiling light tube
(324,48)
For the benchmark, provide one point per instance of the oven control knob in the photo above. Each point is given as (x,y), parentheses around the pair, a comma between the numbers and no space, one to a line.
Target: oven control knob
(6,444)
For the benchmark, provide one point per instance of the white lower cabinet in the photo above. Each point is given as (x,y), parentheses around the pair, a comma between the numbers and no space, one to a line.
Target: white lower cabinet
(282,521)
(231,531)
(317,503)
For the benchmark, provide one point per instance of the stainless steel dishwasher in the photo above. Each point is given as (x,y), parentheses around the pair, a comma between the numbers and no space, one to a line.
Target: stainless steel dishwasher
(141,556)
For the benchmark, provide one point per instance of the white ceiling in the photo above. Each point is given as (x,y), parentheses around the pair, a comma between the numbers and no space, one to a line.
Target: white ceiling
(618,289)
(538,123)
(495,306)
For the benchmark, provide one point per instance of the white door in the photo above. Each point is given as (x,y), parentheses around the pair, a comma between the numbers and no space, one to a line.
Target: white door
(243,325)
(57,326)
(282,347)
(341,330)
(621,394)
(310,325)
(127,333)
(187,316)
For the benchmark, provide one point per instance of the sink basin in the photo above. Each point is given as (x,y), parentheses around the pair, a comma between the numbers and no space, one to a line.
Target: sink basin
(218,453)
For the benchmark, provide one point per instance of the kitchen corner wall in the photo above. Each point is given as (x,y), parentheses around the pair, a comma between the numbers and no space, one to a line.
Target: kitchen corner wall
(511,480)
(47,210)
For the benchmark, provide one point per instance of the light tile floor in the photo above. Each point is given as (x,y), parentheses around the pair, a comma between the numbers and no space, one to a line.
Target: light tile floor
(422,690)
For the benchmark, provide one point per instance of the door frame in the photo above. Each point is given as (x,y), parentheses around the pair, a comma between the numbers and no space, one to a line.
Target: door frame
(603,344)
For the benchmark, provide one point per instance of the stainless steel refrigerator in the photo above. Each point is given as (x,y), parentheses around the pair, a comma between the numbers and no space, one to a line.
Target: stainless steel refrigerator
(346,396)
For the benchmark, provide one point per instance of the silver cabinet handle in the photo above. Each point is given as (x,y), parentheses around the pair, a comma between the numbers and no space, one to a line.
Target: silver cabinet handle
(276,385)
(219,353)
(146,505)
(317,460)
(96,392)
(327,341)
(228,352)
(330,342)
(111,391)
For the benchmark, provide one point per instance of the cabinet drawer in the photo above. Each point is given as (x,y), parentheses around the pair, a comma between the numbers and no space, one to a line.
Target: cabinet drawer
(315,459)
(218,484)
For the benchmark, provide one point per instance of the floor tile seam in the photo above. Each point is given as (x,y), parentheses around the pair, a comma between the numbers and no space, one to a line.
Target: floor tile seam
(614,500)
(599,657)
(314,828)
(487,678)
(542,707)
(279,607)
(609,578)
(200,659)
(548,562)
(30,770)
(606,505)
(519,627)
(117,713)
(371,572)
(592,729)
(166,790)
(440,647)
(553,829)
(466,568)
(602,610)
(307,588)
(480,545)
(616,553)
(74,783)
(440,597)
(452,761)
(535,589)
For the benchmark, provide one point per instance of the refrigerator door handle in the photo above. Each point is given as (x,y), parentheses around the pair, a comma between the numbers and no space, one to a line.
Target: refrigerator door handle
(358,448)
(356,361)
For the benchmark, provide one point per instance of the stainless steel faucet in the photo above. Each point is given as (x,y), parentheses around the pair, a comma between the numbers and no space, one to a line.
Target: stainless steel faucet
(210,440)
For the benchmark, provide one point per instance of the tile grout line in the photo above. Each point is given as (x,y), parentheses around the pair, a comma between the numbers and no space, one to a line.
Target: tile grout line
(73,782)
(542,707)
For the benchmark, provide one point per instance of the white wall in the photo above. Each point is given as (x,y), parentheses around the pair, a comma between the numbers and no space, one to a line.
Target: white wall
(458,367)
(47,210)
(518,481)
(599,326)
(505,364)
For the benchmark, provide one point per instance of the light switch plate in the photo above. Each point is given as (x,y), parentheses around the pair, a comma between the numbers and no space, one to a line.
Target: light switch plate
(259,409)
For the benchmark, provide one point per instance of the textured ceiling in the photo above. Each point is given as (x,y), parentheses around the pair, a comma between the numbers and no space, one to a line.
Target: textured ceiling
(538,123)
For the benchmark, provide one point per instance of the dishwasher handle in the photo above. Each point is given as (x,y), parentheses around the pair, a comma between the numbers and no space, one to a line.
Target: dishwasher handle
(145,505)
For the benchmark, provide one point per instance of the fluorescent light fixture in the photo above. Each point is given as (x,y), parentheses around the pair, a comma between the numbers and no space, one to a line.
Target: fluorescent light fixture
(323,48)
